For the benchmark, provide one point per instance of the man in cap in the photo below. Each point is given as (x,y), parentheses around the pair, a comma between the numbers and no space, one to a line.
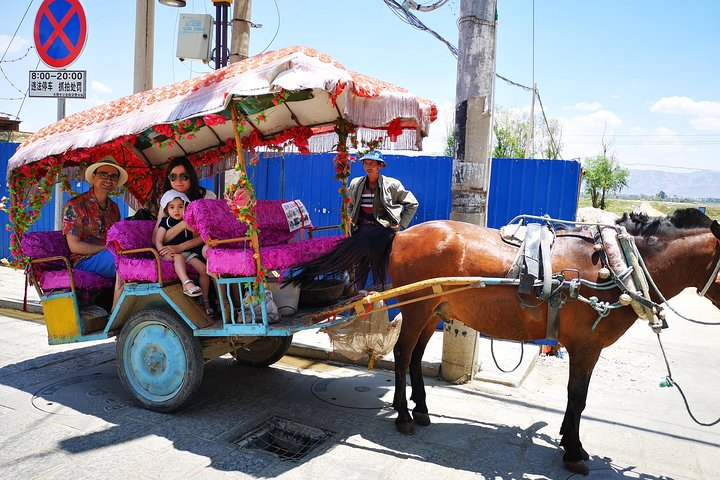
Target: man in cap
(88,217)
(378,201)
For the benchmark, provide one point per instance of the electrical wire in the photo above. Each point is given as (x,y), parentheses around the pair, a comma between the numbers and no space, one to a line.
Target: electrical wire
(277,9)
(409,18)
(16,30)
(423,8)
(17,117)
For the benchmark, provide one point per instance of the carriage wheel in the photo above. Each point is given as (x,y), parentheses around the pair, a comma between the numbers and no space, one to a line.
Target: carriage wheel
(159,360)
(263,352)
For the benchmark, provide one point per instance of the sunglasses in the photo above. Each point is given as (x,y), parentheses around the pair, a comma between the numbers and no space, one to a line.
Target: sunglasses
(113,177)
(174,177)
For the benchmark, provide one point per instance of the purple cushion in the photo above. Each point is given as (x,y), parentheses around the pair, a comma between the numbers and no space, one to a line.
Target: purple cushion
(54,275)
(59,279)
(130,234)
(213,219)
(139,267)
(240,261)
(38,245)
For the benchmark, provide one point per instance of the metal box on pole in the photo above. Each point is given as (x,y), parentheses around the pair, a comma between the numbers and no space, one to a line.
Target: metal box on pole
(195,36)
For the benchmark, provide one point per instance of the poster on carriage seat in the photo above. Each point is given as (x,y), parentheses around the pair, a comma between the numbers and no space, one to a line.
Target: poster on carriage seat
(297,216)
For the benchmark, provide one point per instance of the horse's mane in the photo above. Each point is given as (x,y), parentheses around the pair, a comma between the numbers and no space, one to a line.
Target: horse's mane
(643,225)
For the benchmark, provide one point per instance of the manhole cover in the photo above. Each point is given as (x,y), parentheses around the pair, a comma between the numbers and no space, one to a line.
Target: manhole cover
(285,438)
(82,394)
(374,391)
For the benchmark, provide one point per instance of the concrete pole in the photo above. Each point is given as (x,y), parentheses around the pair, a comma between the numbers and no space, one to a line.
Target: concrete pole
(239,50)
(240,40)
(58,186)
(471,165)
(144,44)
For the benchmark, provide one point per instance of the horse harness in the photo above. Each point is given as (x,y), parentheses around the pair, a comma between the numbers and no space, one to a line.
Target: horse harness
(621,262)
(533,262)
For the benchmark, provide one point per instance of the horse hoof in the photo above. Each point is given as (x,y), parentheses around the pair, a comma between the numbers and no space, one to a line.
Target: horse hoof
(405,428)
(421,418)
(578,466)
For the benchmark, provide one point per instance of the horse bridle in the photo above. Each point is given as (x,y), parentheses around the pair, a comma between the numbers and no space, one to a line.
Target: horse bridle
(713,277)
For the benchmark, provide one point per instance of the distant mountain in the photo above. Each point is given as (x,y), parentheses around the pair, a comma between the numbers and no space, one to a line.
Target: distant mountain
(690,184)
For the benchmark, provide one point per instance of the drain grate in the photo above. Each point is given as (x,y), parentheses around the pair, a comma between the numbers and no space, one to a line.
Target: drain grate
(285,438)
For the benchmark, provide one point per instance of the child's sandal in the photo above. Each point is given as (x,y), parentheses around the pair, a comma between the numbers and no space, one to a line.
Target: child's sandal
(191,291)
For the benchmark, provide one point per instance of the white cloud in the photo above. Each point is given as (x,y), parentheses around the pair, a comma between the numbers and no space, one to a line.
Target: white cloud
(19,44)
(706,123)
(588,107)
(100,87)
(582,135)
(686,106)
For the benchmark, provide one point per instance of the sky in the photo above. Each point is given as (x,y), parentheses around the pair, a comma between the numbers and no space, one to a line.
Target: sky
(641,76)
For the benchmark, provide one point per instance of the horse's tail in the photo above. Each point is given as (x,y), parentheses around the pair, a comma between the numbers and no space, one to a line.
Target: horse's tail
(366,249)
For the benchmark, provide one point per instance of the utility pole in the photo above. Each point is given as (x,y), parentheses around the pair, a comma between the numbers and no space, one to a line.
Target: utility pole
(144,44)
(471,165)
(240,41)
(239,50)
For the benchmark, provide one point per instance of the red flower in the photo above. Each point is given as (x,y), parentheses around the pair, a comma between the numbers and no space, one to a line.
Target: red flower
(213,119)
(394,130)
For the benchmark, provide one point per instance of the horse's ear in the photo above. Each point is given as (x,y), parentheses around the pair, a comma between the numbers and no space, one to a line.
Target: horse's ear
(715,229)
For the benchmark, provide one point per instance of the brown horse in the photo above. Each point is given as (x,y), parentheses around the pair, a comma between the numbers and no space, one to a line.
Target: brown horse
(679,252)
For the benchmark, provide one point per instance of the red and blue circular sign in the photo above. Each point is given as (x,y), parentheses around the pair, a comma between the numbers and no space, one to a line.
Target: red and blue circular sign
(60,32)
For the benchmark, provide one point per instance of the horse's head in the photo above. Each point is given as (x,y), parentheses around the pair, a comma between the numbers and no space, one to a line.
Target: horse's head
(699,258)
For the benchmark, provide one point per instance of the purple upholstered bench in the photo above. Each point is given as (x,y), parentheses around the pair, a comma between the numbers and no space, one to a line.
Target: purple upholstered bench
(279,249)
(139,262)
(50,268)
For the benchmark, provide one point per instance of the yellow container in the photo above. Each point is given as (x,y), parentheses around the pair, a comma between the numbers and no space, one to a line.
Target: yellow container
(61,317)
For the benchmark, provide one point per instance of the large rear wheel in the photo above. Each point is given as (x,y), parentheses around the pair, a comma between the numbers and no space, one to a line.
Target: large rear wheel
(159,361)
(263,352)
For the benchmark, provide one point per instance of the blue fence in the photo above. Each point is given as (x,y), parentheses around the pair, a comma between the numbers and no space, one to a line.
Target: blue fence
(532,187)
(517,186)
(311,178)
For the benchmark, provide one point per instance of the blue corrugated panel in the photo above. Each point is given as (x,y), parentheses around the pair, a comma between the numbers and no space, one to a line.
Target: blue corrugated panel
(311,178)
(533,187)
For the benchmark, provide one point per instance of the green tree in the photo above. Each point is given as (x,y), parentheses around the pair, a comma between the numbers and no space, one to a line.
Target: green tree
(661,195)
(510,136)
(603,175)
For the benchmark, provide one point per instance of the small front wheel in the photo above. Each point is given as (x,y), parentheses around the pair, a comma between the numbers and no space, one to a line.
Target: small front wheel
(263,352)
(159,361)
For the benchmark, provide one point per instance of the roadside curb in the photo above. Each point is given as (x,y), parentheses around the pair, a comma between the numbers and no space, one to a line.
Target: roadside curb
(32,307)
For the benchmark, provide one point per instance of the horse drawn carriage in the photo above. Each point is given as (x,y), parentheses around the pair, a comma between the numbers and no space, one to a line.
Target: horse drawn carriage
(439,270)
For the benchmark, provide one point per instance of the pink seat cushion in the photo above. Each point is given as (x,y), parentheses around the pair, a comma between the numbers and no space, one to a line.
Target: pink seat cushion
(240,261)
(213,219)
(139,267)
(60,279)
(54,275)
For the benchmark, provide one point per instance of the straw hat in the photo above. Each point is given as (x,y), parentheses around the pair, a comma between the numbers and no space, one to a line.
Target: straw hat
(109,161)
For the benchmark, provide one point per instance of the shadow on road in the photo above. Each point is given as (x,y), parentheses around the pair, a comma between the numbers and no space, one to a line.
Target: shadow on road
(79,390)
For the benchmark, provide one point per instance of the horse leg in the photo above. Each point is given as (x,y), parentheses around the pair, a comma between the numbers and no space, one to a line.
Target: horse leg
(582,363)
(415,319)
(403,422)
(420,412)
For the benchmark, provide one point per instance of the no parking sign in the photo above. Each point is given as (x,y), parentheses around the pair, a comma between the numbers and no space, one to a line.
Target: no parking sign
(60,32)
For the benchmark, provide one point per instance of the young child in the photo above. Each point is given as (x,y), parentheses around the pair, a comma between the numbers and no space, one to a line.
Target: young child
(173,204)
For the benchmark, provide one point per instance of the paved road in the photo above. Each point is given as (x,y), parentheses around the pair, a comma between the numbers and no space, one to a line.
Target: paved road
(64,415)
